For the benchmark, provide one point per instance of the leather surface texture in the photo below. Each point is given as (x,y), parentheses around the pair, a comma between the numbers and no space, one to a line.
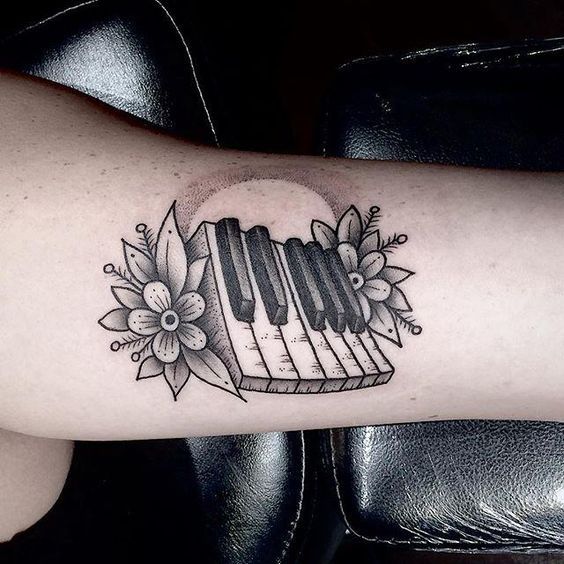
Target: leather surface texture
(493,106)
(461,485)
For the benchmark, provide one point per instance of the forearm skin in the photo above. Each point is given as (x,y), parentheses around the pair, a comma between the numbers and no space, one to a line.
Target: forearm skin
(485,247)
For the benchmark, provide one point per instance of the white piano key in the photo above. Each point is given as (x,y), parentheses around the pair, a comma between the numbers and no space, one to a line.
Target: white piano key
(269,339)
(294,333)
(360,352)
(332,367)
(243,342)
(343,352)
(384,367)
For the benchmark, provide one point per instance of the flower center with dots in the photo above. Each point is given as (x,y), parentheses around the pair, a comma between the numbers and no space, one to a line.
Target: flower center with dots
(357,280)
(170,320)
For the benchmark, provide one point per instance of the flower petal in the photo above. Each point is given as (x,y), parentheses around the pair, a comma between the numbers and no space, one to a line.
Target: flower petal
(166,346)
(176,375)
(372,264)
(397,300)
(196,273)
(209,367)
(323,234)
(192,337)
(144,322)
(350,227)
(141,265)
(157,296)
(115,320)
(150,368)
(364,305)
(395,274)
(369,243)
(348,256)
(383,323)
(377,290)
(190,306)
(127,297)
(172,264)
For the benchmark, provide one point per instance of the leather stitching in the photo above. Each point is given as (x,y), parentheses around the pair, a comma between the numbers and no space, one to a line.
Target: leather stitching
(193,67)
(52,17)
(338,492)
(294,526)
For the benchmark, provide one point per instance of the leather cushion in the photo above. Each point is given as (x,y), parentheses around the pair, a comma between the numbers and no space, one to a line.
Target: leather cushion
(496,106)
(459,484)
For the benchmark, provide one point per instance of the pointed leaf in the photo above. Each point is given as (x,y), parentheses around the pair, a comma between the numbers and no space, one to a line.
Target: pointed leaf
(172,264)
(150,368)
(350,227)
(369,243)
(323,234)
(395,274)
(209,368)
(397,300)
(195,274)
(139,263)
(176,375)
(128,298)
(115,320)
(383,323)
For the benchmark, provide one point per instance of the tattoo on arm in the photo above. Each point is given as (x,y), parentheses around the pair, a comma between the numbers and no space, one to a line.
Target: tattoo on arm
(245,313)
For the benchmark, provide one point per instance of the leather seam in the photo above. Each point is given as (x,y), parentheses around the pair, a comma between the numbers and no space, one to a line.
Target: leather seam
(338,492)
(52,17)
(300,503)
(193,67)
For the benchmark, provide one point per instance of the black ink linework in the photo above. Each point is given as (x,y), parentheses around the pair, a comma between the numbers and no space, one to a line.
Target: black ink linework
(240,311)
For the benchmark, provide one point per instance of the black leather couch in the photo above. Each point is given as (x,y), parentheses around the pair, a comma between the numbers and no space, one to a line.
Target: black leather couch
(431,492)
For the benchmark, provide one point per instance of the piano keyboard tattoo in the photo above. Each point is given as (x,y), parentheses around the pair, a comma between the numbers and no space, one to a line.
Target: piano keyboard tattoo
(243,312)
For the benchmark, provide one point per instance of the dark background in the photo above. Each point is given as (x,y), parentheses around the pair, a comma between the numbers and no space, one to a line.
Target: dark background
(289,50)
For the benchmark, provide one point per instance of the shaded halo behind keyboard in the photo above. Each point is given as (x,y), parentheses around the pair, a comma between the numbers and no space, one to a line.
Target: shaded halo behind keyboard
(283,317)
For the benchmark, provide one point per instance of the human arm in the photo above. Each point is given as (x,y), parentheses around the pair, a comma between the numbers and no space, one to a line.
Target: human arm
(485,248)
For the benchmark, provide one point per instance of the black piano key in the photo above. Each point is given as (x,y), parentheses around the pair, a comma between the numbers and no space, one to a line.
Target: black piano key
(305,283)
(267,276)
(237,282)
(355,319)
(334,308)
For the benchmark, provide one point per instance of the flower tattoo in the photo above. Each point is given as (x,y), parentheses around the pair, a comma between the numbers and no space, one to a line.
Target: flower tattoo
(240,311)
(375,283)
(159,305)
